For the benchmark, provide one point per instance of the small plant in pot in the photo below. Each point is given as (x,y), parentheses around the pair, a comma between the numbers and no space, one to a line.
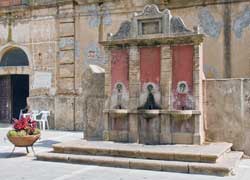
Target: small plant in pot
(24,132)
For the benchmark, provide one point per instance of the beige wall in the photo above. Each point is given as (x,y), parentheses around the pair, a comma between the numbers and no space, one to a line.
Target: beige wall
(37,36)
(225,50)
(227,112)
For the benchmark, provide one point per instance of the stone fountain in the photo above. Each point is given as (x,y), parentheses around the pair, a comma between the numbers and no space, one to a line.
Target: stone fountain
(153,83)
(153,96)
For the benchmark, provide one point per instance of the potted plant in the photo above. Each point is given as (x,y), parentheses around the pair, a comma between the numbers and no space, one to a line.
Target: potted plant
(24,132)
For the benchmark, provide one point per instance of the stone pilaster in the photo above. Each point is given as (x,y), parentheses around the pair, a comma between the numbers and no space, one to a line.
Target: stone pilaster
(134,89)
(165,135)
(199,133)
(107,85)
(134,77)
(196,77)
(166,85)
(66,57)
(65,96)
(166,76)
(106,127)
(133,128)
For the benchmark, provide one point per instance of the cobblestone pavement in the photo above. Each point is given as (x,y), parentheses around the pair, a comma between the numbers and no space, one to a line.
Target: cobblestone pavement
(24,167)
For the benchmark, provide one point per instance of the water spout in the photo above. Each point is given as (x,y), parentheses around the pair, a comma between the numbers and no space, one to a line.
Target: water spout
(150,103)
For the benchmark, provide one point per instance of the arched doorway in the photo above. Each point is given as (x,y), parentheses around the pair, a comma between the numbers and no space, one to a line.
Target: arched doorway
(14,88)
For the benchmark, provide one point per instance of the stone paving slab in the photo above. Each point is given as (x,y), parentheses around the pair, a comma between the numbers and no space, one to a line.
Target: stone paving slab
(224,167)
(209,152)
(26,168)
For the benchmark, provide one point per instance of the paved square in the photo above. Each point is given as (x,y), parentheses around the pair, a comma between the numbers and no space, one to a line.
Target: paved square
(25,167)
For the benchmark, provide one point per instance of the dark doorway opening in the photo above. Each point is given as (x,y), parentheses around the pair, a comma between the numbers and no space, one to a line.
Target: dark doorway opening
(20,92)
(14,90)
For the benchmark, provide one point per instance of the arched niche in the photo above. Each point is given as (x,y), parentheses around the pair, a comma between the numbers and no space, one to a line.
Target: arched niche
(14,57)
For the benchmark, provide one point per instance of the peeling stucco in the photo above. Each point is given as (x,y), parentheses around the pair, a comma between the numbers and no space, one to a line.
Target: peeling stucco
(208,23)
(93,54)
(210,71)
(241,22)
(94,15)
(65,42)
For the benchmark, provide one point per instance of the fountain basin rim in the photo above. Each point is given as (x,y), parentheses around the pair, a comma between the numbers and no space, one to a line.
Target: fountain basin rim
(153,111)
(116,111)
(184,112)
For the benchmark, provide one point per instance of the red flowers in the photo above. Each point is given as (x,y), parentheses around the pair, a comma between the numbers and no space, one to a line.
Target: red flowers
(26,124)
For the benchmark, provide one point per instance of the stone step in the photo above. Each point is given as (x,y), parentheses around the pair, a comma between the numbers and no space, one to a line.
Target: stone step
(225,166)
(209,152)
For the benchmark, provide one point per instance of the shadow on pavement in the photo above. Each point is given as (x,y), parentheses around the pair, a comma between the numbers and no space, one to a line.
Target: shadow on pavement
(5,125)
(45,143)
(8,155)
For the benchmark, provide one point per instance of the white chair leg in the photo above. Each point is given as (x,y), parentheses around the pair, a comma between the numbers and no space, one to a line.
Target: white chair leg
(47,125)
(43,125)
(40,126)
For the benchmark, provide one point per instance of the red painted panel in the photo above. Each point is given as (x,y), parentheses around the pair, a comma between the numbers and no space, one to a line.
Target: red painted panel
(150,65)
(182,71)
(10,2)
(119,67)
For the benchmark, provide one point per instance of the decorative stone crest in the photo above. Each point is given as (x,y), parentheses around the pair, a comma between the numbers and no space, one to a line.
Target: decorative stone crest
(150,10)
(150,21)
(123,31)
(178,26)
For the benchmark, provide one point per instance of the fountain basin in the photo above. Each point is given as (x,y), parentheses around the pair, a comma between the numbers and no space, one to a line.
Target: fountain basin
(149,114)
(117,113)
(183,114)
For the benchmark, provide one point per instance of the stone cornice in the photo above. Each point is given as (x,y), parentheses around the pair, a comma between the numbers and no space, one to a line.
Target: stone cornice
(155,40)
(169,3)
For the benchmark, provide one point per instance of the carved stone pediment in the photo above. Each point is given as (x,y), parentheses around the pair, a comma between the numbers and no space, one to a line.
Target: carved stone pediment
(124,31)
(178,26)
(149,22)
(149,11)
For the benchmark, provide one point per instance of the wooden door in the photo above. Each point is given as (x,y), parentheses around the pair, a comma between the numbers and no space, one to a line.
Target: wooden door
(5,97)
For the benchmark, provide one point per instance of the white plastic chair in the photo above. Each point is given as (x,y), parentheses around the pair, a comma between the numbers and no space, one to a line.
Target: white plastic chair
(25,115)
(34,113)
(43,121)
(23,112)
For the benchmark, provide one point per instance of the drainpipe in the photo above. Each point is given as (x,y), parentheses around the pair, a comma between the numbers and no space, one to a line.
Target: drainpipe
(101,27)
(9,39)
(227,40)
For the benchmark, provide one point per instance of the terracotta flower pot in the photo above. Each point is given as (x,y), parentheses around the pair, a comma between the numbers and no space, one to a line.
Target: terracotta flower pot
(24,141)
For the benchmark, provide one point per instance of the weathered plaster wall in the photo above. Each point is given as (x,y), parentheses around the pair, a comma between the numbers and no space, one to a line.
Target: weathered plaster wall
(227,112)
(35,32)
(225,53)
(225,46)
